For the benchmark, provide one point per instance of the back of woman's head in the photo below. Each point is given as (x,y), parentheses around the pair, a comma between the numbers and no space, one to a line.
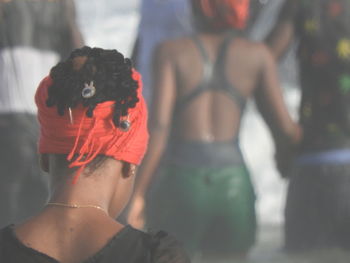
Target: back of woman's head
(220,15)
(90,105)
(110,73)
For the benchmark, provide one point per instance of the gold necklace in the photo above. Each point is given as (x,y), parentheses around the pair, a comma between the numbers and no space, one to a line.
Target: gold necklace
(77,206)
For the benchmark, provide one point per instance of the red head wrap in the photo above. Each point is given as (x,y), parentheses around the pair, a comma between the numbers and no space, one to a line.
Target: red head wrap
(224,14)
(86,137)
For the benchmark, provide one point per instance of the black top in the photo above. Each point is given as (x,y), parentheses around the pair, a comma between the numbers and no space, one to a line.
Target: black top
(323,29)
(127,246)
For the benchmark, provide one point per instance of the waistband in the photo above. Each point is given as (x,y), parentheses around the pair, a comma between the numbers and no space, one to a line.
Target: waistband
(203,154)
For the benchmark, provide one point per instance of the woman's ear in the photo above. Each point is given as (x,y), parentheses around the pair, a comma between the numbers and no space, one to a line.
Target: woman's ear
(128,170)
(44,162)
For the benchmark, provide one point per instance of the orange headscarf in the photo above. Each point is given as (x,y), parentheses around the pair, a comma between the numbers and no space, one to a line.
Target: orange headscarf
(83,138)
(224,13)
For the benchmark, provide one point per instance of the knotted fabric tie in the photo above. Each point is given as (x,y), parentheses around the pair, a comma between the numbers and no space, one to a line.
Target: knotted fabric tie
(86,137)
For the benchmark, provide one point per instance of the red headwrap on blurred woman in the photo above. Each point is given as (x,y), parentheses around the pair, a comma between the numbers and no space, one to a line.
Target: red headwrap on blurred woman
(221,14)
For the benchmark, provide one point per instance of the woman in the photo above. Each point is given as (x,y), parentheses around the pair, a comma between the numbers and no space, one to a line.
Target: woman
(317,211)
(204,194)
(93,135)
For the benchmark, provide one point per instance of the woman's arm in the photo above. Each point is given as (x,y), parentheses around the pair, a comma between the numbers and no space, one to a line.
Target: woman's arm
(284,31)
(164,94)
(270,102)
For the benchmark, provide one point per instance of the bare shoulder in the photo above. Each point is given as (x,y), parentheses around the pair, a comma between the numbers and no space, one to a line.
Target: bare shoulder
(254,48)
(266,58)
(174,47)
(263,51)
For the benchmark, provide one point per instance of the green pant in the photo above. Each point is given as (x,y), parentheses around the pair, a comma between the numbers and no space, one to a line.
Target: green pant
(208,209)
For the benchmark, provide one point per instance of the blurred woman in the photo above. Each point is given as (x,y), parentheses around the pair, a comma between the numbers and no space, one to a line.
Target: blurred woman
(204,194)
(317,213)
(93,135)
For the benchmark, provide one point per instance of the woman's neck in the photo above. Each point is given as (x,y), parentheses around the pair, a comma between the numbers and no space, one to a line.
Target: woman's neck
(86,192)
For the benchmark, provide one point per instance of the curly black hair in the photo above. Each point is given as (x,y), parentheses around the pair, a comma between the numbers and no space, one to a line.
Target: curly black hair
(111,74)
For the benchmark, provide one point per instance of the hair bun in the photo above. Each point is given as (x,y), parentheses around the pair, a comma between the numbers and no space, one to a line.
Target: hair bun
(108,70)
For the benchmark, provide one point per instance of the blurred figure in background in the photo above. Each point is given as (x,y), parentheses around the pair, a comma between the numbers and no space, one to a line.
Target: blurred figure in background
(163,20)
(204,194)
(34,35)
(318,204)
(160,20)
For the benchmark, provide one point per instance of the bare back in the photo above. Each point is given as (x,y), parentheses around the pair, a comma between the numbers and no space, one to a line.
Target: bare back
(211,115)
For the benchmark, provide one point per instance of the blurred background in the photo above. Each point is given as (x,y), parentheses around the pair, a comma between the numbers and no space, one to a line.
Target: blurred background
(114,24)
